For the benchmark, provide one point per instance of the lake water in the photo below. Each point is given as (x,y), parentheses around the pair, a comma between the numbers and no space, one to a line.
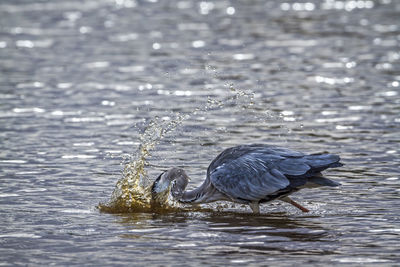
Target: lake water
(84,84)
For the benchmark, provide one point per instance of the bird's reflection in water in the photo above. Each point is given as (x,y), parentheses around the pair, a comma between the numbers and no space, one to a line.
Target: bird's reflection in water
(231,230)
(272,233)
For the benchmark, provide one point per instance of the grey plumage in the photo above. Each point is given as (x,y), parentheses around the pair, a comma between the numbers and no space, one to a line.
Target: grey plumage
(254,174)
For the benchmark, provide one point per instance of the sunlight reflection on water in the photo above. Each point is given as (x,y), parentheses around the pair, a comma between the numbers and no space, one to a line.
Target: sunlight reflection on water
(81,81)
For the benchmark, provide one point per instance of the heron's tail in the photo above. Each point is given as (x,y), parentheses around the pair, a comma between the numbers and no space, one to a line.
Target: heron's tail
(320,162)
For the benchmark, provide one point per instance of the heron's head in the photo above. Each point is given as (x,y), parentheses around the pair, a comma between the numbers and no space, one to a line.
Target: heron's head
(172,182)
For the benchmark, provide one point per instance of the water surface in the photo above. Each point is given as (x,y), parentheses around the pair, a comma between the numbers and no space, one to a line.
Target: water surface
(81,80)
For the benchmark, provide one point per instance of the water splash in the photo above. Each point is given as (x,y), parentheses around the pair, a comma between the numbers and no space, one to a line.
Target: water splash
(132,192)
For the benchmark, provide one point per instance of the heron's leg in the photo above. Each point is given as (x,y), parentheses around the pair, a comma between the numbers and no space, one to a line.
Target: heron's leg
(294,203)
(255,207)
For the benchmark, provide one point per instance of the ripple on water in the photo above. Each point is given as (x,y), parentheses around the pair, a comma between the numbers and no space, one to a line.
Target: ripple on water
(361,260)
(78,211)
(9,195)
(79,156)
(82,79)
(13,161)
(19,235)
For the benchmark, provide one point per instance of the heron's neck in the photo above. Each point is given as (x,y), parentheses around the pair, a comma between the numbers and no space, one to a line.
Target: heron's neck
(205,193)
(193,195)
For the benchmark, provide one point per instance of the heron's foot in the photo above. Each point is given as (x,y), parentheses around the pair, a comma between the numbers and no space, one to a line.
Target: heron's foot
(255,207)
(294,203)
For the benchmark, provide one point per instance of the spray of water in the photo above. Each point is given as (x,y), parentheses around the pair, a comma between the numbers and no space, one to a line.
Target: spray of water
(132,192)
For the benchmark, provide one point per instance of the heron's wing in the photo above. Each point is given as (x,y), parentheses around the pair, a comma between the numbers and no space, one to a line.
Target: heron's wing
(255,175)
(252,172)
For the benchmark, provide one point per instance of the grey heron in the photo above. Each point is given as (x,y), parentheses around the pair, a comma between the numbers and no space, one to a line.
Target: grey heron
(251,174)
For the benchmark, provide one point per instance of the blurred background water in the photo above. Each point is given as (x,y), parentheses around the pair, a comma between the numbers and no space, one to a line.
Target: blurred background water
(81,80)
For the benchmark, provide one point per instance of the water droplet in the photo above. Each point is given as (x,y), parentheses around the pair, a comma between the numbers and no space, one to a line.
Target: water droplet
(230,10)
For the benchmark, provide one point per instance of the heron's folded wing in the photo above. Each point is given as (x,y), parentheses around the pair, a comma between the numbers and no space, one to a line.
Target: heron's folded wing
(248,178)
(293,166)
